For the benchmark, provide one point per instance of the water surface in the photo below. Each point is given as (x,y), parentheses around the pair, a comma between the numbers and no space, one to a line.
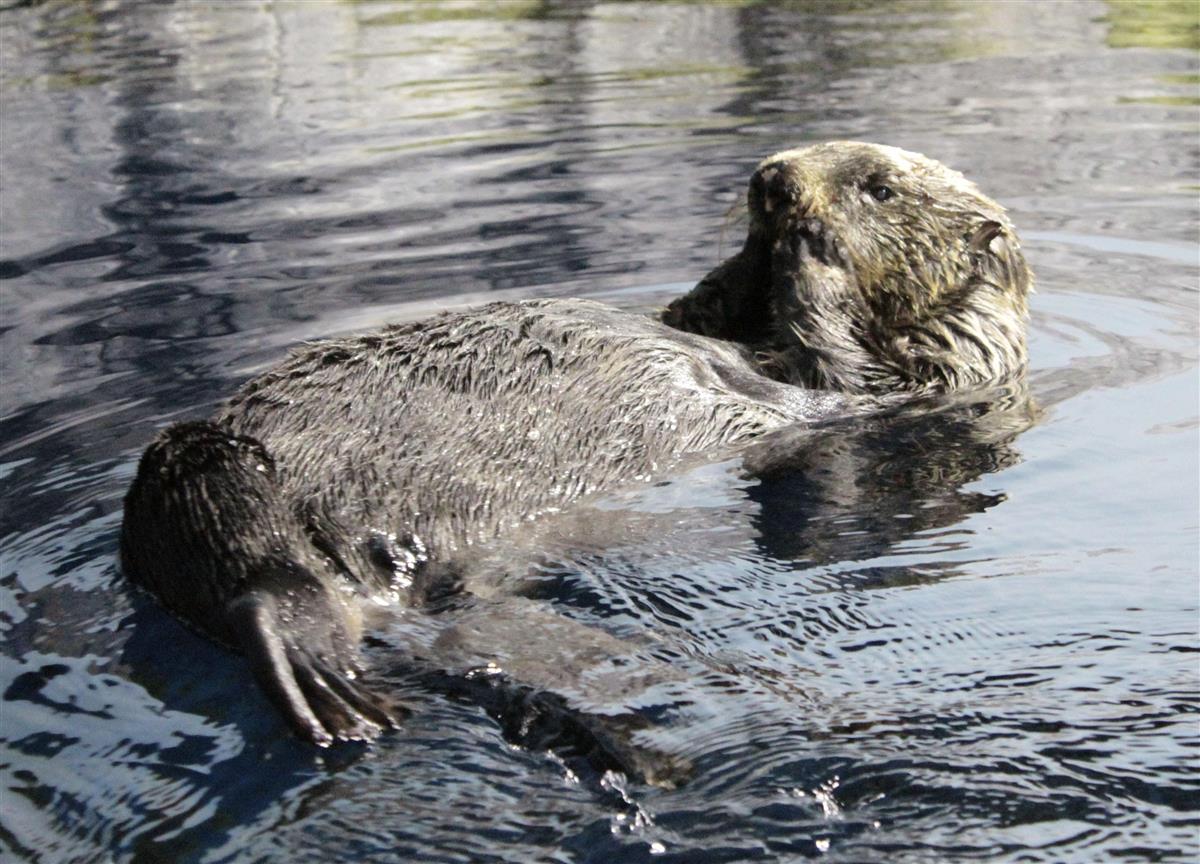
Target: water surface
(948,642)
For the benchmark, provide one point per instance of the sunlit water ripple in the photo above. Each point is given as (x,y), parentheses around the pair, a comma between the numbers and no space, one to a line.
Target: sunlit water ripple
(945,641)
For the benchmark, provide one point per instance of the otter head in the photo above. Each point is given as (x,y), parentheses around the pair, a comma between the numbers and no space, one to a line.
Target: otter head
(887,271)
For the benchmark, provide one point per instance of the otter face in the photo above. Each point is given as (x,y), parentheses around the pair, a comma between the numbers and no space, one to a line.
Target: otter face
(887,271)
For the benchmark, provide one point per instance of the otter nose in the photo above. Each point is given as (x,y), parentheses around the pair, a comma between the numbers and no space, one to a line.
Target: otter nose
(772,188)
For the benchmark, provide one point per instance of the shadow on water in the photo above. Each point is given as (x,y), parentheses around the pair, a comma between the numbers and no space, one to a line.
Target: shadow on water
(915,638)
(854,491)
(836,494)
(200,769)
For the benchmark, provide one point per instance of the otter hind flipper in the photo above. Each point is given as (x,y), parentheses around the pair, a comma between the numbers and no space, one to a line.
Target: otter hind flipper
(536,719)
(311,683)
(208,532)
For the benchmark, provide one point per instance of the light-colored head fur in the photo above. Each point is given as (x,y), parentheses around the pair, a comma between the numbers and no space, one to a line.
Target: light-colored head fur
(888,272)
(869,269)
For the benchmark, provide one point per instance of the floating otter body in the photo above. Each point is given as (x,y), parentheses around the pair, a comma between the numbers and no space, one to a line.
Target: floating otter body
(373,464)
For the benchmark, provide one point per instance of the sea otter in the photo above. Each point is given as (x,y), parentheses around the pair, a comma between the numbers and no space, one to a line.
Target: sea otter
(376,464)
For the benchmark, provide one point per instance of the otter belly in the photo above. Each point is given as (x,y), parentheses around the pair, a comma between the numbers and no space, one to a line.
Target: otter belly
(455,430)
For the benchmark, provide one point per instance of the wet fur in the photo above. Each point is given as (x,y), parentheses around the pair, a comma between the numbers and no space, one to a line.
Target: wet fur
(373,465)
(926,291)
(376,464)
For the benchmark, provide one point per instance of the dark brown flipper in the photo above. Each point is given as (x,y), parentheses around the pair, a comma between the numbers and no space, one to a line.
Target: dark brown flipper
(206,531)
(309,681)
(540,720)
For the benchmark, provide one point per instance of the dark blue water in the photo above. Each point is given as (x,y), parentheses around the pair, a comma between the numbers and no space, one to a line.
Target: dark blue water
(949,642)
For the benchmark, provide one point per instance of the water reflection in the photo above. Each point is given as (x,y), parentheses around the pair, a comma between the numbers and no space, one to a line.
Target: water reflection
(851,492)
(916,640)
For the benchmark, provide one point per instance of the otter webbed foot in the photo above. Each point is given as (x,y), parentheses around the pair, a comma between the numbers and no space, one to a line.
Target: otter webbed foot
(209,532)
(537,719)
(311,680)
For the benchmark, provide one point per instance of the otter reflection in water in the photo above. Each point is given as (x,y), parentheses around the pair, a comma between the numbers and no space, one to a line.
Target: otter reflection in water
(380,465)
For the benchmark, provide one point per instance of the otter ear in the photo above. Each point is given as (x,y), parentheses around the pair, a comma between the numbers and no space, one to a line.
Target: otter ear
(984,234)
(997,255)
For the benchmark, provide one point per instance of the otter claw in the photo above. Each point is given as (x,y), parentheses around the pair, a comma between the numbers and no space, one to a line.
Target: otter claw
(320,702)
(348,711)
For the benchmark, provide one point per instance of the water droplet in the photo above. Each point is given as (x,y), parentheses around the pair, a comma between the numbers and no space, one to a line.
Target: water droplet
(824,796)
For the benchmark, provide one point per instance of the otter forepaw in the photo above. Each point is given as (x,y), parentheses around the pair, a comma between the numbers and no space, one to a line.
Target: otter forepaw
(317,695)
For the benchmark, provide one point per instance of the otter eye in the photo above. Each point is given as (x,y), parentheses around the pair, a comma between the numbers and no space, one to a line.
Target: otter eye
(880,191)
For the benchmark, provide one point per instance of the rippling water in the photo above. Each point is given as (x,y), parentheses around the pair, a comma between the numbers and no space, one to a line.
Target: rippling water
(940,641)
